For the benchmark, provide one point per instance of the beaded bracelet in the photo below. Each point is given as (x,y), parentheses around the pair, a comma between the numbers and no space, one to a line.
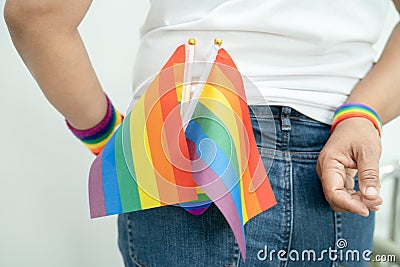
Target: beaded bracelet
(351,110)
(97,137)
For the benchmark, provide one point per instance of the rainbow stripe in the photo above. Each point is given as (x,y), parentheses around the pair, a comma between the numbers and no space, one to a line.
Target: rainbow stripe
(351,110)
(151,161)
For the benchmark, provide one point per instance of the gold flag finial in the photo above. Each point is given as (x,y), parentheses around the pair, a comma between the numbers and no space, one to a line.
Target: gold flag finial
(218,41)
(192,41)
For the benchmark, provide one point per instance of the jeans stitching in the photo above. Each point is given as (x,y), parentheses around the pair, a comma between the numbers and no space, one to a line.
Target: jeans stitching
(338,231)
(292,158)
(238,260)
(286,214)
(311,156)
(266,116)
(130,241)
(287,199)
(232,256)
(268,150)
(235,254)
(297,154)
(311,153)
(291,201)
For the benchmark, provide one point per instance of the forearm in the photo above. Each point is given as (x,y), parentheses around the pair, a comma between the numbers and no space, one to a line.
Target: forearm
(52,49)
(380,89)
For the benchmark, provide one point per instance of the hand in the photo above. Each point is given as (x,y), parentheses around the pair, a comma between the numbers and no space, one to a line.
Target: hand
(353,146)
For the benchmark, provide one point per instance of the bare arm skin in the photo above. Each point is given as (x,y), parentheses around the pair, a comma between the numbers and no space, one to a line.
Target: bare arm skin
(380,89)
(45,34)
(355,144)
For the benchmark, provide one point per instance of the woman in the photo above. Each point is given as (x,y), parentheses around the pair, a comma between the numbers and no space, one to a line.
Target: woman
(307,59)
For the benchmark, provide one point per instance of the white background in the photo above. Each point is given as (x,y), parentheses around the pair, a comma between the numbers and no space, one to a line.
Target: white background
(43,168)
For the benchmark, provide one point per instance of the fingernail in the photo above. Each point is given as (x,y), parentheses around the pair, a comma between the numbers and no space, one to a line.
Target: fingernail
(371,191)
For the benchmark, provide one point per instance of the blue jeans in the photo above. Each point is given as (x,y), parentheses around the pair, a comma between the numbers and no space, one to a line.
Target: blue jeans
(301,230)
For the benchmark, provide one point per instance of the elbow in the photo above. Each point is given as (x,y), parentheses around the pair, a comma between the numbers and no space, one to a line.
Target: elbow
(12,17)
(23,16)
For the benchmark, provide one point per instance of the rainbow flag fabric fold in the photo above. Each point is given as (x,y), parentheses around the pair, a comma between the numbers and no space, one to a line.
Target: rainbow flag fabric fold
(226,163)
(152,161)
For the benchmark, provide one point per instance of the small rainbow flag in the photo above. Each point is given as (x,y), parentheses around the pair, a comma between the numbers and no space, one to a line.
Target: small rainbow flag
(152,161)
(146,164)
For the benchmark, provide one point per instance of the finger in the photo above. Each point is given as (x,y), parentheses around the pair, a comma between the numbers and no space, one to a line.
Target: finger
(351,173)
(333,176)
(354,194)
(370,204)
(376,208)
(349,203)
(349,182)
(319,172)
(367,159)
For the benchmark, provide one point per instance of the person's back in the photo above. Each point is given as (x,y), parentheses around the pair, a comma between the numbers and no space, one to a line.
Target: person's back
(305,54)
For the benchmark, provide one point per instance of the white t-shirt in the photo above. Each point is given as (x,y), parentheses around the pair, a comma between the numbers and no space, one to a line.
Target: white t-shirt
(306,54)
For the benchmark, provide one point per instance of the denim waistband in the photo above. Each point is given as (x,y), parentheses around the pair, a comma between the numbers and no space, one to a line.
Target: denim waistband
(277,112)
(282,128)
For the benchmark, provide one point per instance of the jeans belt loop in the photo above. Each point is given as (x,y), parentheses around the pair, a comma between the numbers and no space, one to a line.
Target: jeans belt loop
(285,118)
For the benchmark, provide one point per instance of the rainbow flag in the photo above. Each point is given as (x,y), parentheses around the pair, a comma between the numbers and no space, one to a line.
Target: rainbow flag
(153,161)
(146,164)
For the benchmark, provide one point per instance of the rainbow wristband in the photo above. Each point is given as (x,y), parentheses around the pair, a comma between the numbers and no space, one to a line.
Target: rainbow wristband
(351,110)
(97,137)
